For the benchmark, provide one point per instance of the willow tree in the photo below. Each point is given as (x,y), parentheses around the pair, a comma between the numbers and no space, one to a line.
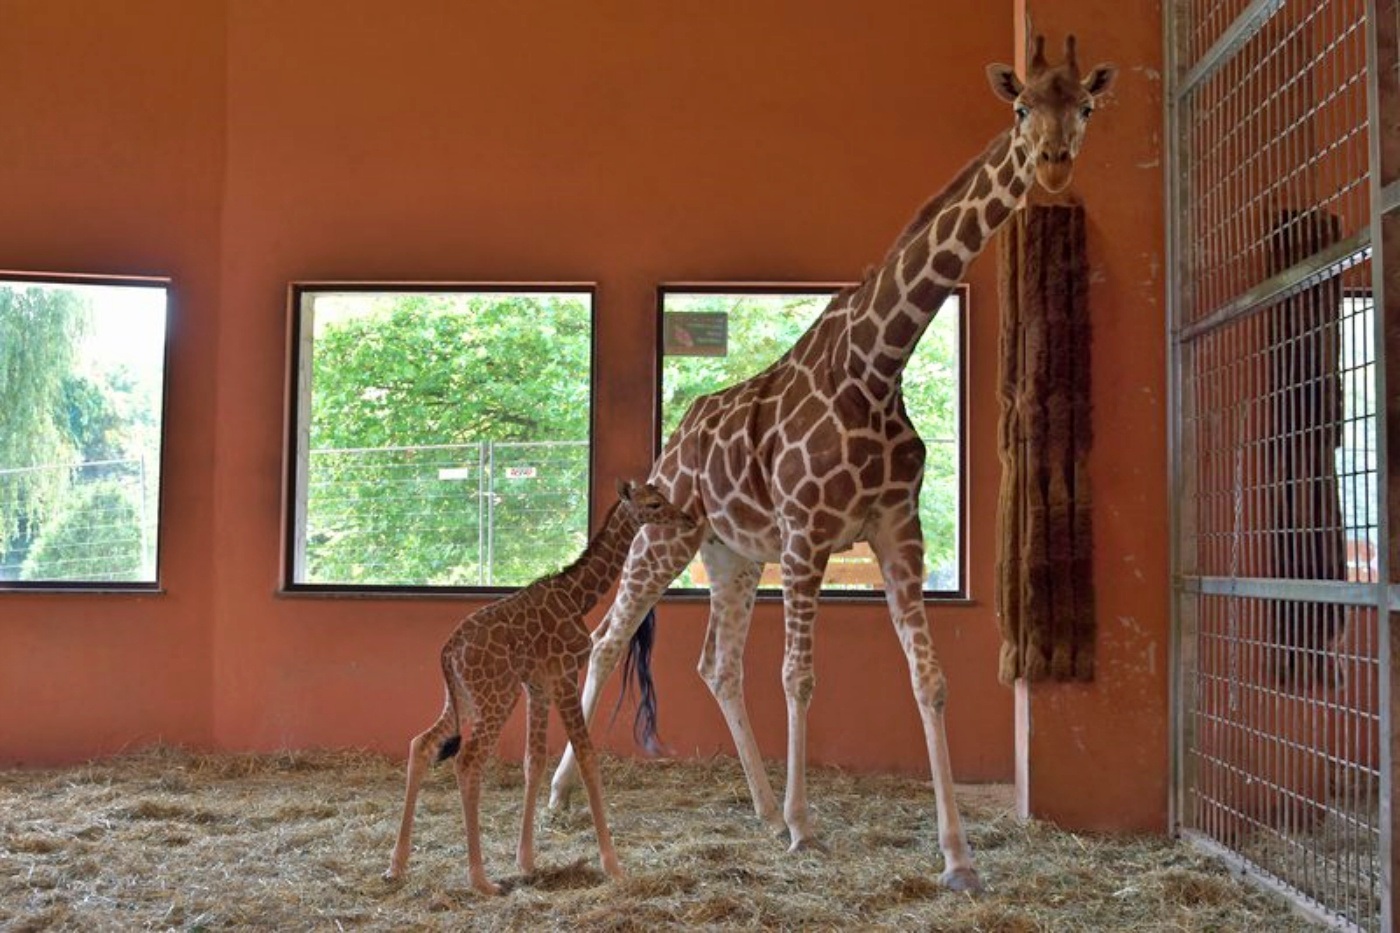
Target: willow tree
(40,330)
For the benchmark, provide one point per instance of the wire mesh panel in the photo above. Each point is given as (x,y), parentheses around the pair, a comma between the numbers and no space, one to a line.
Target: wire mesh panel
(1288,777)
(485,514)
(1282,606)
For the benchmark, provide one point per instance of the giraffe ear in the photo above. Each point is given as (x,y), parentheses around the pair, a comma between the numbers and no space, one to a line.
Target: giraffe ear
(1004,82)
(624,491)
(1100,79)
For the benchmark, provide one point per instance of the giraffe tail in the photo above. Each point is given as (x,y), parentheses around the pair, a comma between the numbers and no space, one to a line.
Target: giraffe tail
(448,728)
(637,668)
(449,748)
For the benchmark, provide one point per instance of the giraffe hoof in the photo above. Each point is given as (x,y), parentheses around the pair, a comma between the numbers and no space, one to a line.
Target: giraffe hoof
(961,879)
(483,886)
(809,844)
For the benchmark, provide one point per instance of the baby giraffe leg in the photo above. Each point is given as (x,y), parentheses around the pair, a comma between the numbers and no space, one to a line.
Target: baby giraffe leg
(420,753)
(470,761)
(576,727)
(536,722)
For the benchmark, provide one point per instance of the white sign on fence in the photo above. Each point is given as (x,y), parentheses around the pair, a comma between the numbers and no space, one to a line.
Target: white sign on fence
(520,472)
(455,473)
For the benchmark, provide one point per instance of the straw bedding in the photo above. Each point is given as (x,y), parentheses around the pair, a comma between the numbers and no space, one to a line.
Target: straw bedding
(166,839)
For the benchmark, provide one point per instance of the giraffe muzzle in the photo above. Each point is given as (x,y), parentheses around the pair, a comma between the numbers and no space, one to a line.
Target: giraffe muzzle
(1054,173)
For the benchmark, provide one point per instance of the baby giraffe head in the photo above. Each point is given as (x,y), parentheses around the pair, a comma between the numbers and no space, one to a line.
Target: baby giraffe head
(647,506)
(1052,108)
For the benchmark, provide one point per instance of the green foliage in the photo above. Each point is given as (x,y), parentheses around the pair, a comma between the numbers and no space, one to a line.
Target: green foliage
(90,418)
(426,409)
(94,536)
(763,327)
(408,390)
(39,331)
(77,398)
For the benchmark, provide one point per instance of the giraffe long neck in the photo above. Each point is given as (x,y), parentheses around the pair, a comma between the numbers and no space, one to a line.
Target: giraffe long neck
(585,581)
(873,332)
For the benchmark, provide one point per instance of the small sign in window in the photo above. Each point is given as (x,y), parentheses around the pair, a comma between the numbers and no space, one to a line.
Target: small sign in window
(696,333)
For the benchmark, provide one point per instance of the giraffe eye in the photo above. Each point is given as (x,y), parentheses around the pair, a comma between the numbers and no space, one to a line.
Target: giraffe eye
(1022,111)
(1086,112)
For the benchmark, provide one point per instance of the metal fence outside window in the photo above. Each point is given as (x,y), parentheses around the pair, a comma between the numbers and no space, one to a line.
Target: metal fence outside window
(489,514)
(99,525)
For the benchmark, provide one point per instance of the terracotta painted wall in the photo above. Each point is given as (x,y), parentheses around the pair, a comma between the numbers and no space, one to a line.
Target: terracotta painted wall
(623,143)
(111,161)
(626,143)
(1096,754)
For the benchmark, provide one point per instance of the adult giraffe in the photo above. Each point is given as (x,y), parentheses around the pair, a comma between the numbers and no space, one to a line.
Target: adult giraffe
(816,453)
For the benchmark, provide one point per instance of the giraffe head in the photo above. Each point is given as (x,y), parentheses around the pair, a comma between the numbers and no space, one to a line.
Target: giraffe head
(645,503)
(1052,108)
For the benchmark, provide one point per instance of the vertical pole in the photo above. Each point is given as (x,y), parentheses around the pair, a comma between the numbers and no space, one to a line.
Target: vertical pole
(1177,408)
(306,348)
(490,513)
(481,514)
(141,486)
(1383,34)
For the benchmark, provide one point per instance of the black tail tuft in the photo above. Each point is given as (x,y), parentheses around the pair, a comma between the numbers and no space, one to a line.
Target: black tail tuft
(637,666)
(449,748)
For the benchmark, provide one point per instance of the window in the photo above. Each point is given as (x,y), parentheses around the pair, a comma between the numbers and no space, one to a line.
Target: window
(82,376)
(1356,457)
(713,337)
(440,435)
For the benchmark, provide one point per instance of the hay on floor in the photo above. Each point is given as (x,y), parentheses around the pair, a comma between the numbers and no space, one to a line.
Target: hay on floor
(170,840)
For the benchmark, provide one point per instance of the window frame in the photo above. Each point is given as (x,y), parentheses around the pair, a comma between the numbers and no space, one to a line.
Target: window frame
(961,594)
(298,401)
(115,587)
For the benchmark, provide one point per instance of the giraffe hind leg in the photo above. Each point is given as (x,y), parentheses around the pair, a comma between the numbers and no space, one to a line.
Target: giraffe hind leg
(420,750)
(901,555)
(733,582)
(571,713)
(470,762)
(536,749)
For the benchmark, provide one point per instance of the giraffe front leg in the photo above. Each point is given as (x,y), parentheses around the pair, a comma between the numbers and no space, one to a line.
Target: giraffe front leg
(733,580)
(656,557)
(900,551)
(803,567)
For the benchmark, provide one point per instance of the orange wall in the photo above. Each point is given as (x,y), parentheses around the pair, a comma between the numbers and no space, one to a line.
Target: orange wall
(626,143)
(1097,754)
(111,160)
(644,144)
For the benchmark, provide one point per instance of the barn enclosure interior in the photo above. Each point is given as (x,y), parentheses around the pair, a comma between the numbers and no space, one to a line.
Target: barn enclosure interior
(327,322)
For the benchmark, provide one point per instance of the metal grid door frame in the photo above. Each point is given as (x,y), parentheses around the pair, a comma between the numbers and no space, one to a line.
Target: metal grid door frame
(1231,27)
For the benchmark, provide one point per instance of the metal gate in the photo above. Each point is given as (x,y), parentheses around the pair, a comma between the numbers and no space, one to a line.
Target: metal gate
(1279,246)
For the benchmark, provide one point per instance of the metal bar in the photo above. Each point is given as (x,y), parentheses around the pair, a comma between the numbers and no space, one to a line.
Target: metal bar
(1173,16)
(418,447)
(1331,592)
(1339,257)
(1383,110)
(1235,35)
(1390,197)
(1256,874)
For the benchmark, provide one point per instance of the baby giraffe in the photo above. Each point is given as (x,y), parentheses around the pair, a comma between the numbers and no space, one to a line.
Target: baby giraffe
(536,639)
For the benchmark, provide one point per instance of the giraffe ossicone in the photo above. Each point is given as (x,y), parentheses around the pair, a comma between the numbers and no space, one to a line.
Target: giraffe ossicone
(536,639)
(816,452)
